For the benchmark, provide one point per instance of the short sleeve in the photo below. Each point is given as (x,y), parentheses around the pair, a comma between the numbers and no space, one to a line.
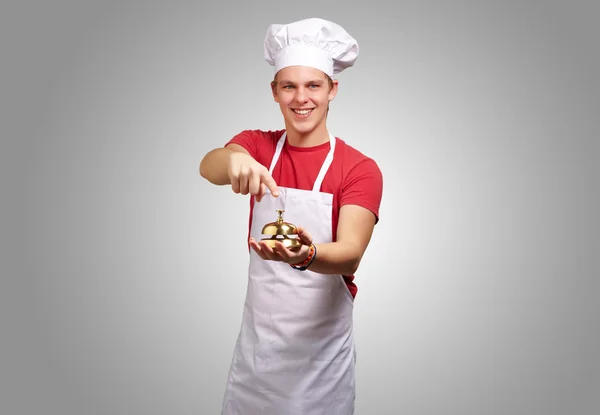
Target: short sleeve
(247,139)
(259,144)
(363,186)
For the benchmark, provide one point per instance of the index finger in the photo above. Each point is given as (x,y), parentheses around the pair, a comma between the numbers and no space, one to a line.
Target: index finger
(270,183)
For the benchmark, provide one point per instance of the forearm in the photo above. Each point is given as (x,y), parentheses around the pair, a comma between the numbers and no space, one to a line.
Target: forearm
(336,258)
(214,166)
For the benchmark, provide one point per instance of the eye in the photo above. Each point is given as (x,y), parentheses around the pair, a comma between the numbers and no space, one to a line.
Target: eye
(287,87)
(314,86)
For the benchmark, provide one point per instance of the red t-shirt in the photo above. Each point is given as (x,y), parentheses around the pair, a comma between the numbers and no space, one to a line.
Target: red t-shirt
(353,178)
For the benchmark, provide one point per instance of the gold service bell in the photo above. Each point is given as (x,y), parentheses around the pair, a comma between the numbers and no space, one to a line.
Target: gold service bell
(279,231)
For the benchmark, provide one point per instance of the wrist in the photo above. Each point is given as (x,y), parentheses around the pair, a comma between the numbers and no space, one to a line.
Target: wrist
(306,249)
(311,255)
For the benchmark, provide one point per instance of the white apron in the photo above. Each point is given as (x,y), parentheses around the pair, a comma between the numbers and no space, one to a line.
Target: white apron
(295,351)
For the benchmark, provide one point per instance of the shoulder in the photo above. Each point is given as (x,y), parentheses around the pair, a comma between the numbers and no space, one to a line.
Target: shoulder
(354,160)
(260,136)
(259,143)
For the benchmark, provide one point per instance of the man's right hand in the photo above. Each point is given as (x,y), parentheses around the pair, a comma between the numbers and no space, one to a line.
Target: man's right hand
(247,176)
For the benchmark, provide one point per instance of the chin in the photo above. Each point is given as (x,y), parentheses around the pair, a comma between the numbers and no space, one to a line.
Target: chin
(303,127)
(303,130)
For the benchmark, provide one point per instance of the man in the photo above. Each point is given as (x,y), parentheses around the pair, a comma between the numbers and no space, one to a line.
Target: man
(295,352)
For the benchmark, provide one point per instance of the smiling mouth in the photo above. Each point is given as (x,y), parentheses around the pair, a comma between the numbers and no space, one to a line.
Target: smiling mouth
(303,111)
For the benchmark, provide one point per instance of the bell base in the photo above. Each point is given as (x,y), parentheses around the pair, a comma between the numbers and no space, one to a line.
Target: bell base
(289,243)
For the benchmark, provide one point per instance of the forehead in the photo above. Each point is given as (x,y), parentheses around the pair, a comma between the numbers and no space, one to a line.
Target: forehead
(300,74)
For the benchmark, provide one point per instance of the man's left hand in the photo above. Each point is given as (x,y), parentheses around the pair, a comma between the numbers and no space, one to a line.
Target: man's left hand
(280,252)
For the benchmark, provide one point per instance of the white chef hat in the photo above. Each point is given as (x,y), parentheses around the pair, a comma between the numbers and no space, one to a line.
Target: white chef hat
(311,42)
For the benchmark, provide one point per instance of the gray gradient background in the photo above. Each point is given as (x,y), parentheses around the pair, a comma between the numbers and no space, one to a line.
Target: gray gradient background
(124,271)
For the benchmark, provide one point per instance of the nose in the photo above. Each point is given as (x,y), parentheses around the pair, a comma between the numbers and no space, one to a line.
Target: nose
(301,94)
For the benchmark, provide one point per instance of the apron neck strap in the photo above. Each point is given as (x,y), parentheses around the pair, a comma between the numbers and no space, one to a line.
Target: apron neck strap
(324,167)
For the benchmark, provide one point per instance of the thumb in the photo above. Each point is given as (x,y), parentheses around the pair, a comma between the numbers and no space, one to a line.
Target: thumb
(304,236)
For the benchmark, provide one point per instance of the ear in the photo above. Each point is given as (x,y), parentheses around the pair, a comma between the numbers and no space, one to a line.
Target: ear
(274,91)
(334,90)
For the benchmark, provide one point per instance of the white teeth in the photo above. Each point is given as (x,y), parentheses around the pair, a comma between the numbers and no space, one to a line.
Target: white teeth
(302,112)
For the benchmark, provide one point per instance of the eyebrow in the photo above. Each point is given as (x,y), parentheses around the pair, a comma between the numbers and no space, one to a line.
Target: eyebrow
(314,81)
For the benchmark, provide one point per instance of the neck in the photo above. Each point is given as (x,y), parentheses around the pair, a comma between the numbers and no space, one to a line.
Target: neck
(311,139)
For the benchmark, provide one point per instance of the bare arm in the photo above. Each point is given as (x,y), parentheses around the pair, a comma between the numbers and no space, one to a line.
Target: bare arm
(233,165)
(215,164)
(355,228)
